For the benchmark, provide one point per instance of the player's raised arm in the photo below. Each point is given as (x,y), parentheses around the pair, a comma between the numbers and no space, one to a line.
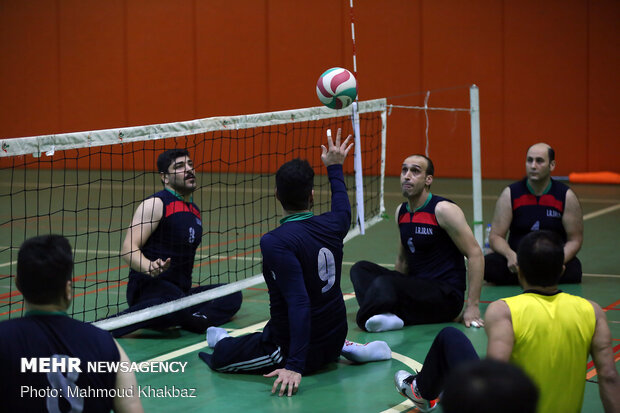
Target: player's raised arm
(335,154)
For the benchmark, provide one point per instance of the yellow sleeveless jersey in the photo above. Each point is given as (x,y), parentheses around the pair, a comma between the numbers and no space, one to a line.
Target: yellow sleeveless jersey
(553,334)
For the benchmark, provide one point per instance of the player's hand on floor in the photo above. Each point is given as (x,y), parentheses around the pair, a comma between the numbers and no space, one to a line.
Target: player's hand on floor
(286,379)
(471,317)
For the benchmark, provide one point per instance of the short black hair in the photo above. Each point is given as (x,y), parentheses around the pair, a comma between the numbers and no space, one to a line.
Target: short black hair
(540,257)
(294,182)
(489,386)
(430,168)
(167,157)
(44,265)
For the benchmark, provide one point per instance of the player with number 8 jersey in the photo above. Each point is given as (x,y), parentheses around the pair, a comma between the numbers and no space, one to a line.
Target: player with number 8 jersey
(302,262)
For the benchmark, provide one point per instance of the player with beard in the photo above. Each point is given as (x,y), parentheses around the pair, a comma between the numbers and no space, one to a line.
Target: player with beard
(160,247)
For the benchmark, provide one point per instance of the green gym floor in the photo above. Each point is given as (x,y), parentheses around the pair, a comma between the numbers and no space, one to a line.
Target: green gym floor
(344,387)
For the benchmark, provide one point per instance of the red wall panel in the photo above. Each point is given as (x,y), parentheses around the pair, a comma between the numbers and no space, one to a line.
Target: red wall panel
(231,58)
(91,59)
(547,71)
(160,61)
(545,81)
(603,138)
(29,72)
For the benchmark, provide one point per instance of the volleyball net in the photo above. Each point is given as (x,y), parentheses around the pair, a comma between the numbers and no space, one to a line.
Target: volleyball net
(87,186)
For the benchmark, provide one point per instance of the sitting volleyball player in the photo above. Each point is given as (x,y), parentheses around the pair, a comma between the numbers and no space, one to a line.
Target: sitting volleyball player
(302,262)
(160,247)
(46,333)
(537,202)
(428,283)
(544,331)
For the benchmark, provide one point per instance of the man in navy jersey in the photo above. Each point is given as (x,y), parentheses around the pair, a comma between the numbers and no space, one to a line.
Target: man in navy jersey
(47,334)
(302,261)
(537,202)
(428,282)
(160,246)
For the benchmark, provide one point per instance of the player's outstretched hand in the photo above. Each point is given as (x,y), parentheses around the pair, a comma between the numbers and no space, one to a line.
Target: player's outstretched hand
(286,378)
(158,266)
(335,154)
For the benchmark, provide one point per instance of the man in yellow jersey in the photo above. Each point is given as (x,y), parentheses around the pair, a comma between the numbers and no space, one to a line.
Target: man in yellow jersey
(550,334)
(546,332)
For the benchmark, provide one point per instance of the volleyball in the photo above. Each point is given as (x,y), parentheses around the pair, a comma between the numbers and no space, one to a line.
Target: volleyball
(336,88)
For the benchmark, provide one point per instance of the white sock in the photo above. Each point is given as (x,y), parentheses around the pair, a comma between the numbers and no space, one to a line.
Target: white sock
(363,353)
(384,322)
(215,334)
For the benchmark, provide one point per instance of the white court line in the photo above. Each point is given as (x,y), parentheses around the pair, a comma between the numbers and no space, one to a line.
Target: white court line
(114,253)
(495,197)
(600,212)
(409,362)
(602,275)
(203,344)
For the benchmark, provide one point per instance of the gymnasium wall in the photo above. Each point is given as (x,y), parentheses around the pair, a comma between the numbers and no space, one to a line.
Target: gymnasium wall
(547,70)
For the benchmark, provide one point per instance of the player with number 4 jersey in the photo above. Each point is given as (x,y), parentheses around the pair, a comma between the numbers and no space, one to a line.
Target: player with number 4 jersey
(302,261)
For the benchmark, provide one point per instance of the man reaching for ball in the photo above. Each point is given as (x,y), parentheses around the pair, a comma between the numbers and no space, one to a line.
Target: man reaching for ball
(302,263)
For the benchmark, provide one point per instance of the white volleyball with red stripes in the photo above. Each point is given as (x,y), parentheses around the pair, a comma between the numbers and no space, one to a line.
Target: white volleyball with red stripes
(336,88)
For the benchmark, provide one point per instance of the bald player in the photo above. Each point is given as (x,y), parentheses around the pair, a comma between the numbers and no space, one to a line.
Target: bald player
(537,202)
(428,282)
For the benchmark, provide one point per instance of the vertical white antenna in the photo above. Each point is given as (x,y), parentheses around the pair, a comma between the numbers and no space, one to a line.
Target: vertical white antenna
(476,168)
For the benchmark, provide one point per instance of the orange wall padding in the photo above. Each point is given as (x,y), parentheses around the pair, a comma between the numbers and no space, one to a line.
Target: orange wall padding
(547,70)
(603,177)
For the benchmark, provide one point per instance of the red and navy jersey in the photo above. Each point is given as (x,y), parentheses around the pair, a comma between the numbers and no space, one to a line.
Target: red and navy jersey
(54,335)
(302,263)
(177,237)
(430,252)
(533,213)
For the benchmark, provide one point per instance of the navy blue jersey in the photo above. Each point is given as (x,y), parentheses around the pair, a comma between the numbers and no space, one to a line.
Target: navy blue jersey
(533,213)
(302,262)
(177,237)
(430,252)
(53,335)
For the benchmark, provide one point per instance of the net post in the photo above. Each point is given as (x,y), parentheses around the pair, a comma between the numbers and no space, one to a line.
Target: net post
(357,164)
(474,112)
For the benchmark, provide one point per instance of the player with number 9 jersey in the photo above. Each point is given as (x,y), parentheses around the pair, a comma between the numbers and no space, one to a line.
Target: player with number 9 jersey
(302,262)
